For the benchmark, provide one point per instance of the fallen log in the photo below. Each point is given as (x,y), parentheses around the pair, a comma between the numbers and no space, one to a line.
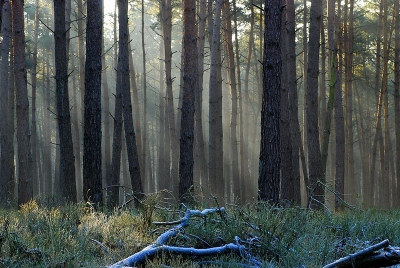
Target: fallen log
(160,245)
(378,255)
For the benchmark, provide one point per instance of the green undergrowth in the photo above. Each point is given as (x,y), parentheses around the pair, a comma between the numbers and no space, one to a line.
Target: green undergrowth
(38,235)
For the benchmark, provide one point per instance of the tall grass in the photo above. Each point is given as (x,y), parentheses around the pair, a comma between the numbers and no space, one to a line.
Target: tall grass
(37,235)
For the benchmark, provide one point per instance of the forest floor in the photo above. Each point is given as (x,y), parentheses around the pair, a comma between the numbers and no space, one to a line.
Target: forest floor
(39,235)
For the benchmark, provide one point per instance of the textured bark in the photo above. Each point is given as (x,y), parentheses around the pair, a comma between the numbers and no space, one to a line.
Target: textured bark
(246,100)
(75,131)
(190,86)
(235,178)
(123,68)
(286,192)
(166,9)
(163,171)
(114,179)
(136,107)
(144,86)
(81,52)
(34,132)
(6,138)
(25,186)
(314,154)
(295,195)
(92,179)
(200,164)
(397,99)
(67,159)
(348,47)
(215,160)
(106,112)
(269,177)
(386,180)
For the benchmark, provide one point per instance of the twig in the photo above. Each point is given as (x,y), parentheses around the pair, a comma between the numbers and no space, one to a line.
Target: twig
(100,244)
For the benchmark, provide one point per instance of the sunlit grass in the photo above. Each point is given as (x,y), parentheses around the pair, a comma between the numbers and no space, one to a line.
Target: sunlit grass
(37,235)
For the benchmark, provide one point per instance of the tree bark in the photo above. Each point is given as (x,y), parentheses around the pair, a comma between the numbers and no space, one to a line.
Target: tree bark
(397,98)
(92,179)
(190,86)
(25,186)
(123,67)
(269,177)
(6,138)
(215,160)
(314,154)
(67,159)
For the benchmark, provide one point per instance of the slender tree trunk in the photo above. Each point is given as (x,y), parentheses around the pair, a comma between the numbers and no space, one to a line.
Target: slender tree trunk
(314,154)
(123,67)
(348,46)
(385,184)
(235,178)
(67,159)
(246,100)
(293,101)
(106,116)
(34,134)
(397,99)
(145,142)
(136,117)
(163,170)
(200,163)
(6,137)
(215,161)
(286,192)
(75,132)
(166,9)
(25,186)
(81,52)
(92,179)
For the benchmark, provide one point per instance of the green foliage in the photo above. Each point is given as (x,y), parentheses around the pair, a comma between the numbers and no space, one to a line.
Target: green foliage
(76,236)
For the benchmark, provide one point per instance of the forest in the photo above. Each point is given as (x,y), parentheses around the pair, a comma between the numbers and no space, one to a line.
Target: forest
(291,102)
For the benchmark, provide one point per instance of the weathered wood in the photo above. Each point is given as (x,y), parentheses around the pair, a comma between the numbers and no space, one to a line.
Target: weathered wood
(352,259)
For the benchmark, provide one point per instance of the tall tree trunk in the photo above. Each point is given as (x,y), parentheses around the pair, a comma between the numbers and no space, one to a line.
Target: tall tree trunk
(293,101)
(200,163)
(114,179)
(166,9)
(242,160)
(106,115)
(246,100)
(314,154)
(285,129)
(81,53)
(348,47)
(34,134)
(92,179)
(136,107)
(123,67)
(6,137)
(215,160)
(25,186)
(385,184)
(269,177)
(190,86)
(397,98)
(235,178)
(145,142)
(75,131)
(163,170)
(67,159)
